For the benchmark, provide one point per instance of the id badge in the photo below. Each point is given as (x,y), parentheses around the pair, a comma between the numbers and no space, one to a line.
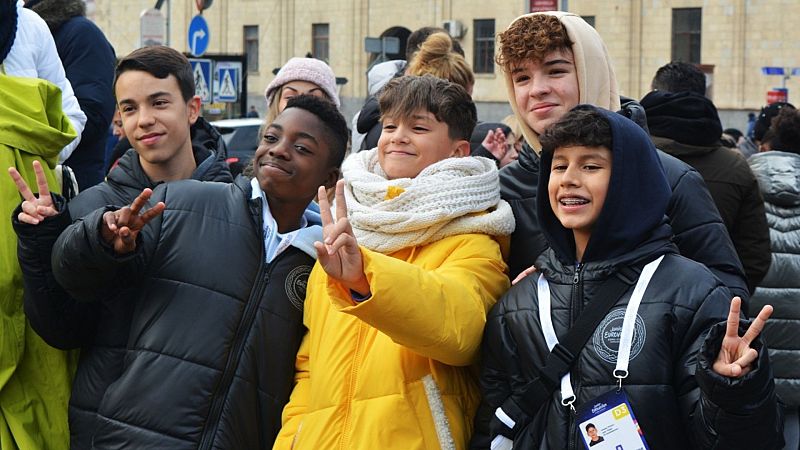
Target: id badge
(607,423)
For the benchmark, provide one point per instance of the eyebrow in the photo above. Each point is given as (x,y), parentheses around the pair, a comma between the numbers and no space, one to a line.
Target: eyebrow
(554,62)
(301,134)
(151,97)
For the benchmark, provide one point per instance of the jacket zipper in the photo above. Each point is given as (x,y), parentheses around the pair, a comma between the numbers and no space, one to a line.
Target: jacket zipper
(351,387)
(220,393)
(576,306)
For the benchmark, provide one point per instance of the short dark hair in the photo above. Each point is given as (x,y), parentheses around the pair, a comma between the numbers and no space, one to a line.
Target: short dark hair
(787,130)
(333,120)
(448,102)
(678,76)
(584,125)
(418,36)
(764,120)
(590,425)
(160,61)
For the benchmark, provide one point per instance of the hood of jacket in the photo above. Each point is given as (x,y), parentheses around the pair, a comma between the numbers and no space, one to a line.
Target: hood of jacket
(633,215)
(56,12)
(778,175)
(685,117)
(597,81)
(382,73)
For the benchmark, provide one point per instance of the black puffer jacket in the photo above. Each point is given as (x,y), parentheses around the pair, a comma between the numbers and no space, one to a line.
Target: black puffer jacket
(699,231)
(678,400)
(212,329)
(100,329)
(686,125)
(778,174)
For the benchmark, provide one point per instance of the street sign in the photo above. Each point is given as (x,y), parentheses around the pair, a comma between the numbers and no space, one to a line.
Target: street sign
(152,27)
(228,76)
(772,70)
(386,44)
(198,36)
(796,71)
(777,95)
(201,69)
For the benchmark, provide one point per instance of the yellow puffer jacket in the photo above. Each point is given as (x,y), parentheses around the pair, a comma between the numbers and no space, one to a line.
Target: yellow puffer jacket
(395,371)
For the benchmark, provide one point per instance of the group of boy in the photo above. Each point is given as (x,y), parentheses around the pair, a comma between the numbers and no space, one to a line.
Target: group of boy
(188,355)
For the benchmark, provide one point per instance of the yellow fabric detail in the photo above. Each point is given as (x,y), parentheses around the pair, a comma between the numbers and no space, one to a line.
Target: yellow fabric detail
(393,192)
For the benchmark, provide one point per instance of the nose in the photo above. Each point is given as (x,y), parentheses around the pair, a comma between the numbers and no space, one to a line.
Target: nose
(146,117)
(570,176)
(539,86)
(279,150)
(399,135)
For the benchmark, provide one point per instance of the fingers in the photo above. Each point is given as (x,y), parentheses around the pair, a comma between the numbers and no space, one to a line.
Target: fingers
(341,203)
(758,324)
(732,328)
(22,186)
(341,227)
(140,201)
(41,181)
(343,240)
(324,207)
(746,359)
(151,213)
(524,274)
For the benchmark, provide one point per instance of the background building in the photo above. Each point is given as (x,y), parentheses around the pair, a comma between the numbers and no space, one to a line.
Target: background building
(731,40)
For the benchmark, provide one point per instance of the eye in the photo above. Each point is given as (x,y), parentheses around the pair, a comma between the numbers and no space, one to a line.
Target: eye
(270,138)
(420,128)
(302,149)
(126,109)
(559,167)
(519,79)
(161,103)
(390,127)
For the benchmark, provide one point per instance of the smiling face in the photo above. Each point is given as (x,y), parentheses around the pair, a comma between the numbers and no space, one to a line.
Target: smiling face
(577,189)
(156,119)
(294,158)
(408,145)
(546,90)
(299,87)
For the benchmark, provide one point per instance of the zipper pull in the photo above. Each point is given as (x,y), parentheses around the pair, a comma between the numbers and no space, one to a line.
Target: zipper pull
(578,268)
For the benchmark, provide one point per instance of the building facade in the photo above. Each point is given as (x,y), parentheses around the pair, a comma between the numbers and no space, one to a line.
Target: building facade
(731,40)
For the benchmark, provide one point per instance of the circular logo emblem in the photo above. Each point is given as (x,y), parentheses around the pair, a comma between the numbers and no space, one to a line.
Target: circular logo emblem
(606,336)
(295,285)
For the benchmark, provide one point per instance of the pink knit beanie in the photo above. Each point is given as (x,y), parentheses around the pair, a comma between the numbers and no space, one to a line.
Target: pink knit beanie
(305,69)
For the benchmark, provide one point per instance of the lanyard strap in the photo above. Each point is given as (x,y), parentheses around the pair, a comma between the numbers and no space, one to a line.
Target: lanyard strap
(626,336)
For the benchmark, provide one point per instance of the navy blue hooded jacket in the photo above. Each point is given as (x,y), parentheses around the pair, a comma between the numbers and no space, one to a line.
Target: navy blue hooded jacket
(678,400)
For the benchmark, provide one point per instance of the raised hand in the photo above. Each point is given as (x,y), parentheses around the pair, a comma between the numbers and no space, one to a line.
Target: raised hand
(339,253)
(119,228)
(495,142)
(34,210)
(735,356)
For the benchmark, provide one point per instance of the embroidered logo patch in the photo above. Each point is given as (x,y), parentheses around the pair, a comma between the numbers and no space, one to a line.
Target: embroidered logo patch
(606,336)
(296,283)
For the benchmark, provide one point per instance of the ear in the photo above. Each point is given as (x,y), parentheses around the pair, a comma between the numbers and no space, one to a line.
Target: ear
(461,149)
(194,109)
(333,176)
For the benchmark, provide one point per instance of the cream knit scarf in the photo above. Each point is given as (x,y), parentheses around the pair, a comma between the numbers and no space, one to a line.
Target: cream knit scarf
(450,197)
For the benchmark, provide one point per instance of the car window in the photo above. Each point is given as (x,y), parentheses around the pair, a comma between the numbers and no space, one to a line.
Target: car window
(243,141)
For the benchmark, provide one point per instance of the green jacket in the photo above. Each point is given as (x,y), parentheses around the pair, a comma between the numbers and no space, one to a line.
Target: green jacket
(35,379)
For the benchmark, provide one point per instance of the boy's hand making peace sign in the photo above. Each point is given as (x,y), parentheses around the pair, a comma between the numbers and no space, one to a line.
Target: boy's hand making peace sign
(339,253)
(735,357)
(34,210)
(119,228)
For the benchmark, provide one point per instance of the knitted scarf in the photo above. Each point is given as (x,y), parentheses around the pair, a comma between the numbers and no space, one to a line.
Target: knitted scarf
(453,196)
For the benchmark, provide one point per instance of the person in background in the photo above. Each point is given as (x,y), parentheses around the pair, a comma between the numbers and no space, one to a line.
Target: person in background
(494,141)
(31,52)
(252,113)
(405,274)
(88,60)
(732,137)
(752,145)
(778,174)
(551,62)
(684,123)
(300,76)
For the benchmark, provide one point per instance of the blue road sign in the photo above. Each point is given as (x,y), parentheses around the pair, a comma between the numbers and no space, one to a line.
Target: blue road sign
(772,70)
(201,70)
(796,71)
(198,36)
(228,84)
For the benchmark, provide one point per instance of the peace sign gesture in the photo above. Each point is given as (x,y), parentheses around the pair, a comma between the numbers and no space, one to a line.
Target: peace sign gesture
(735,356)
(339,254)
(119,228)
(34,210)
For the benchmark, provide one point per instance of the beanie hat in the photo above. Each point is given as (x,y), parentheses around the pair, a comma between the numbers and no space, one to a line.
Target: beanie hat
(764,121)
(305,69)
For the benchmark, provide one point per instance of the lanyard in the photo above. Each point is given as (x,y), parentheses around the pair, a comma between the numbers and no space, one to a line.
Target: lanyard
(626,336)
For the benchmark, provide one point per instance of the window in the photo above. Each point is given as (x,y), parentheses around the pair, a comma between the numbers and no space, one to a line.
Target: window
(483,46)
(319,41)
(686,27)
(251,47)
(589,20)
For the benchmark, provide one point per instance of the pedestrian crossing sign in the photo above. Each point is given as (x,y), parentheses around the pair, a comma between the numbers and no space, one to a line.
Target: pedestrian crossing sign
(228,84)
(201,71)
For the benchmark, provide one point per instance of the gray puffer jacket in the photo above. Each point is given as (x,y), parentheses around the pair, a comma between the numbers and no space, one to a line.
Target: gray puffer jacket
(778,175)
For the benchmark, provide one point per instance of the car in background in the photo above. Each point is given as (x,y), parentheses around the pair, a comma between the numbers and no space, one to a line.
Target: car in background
(241,137)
